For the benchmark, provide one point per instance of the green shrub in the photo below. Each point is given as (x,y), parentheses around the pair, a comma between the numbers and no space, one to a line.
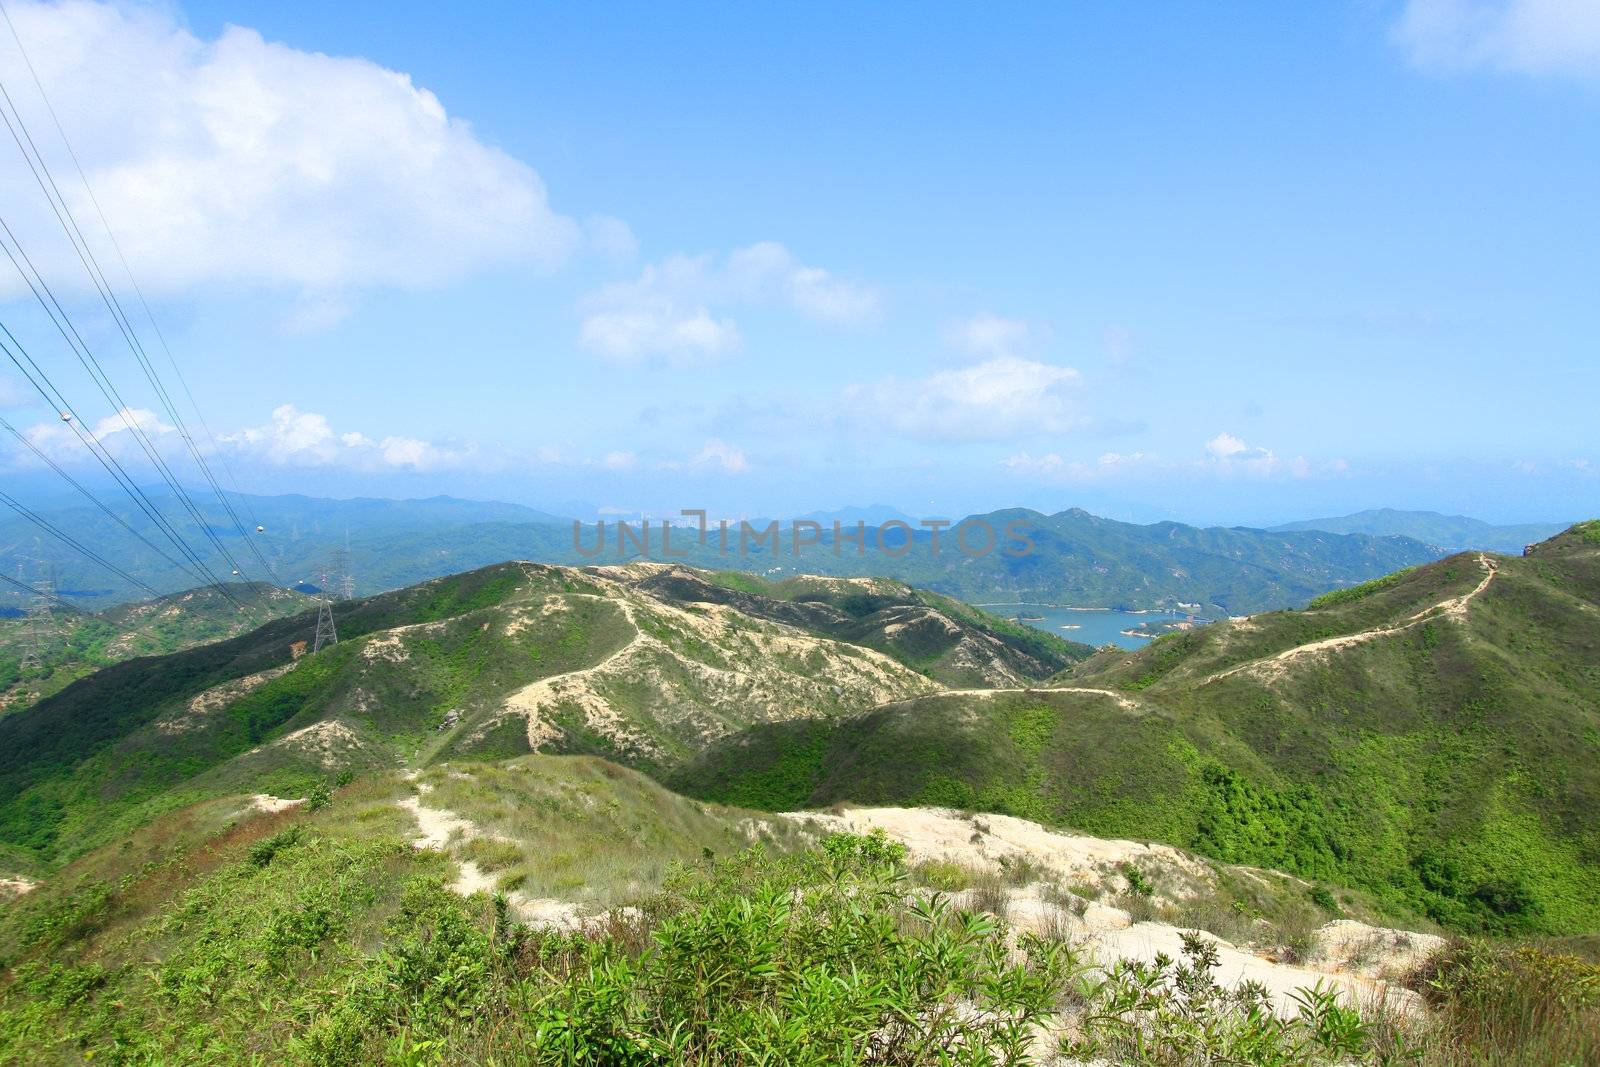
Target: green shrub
(1138,884)
(319,797)
(262,852)
(1517,1005)
(943,876)
(1358,592)
(491,854)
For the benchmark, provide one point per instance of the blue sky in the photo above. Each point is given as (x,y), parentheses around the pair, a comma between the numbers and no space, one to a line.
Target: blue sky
(1237,264)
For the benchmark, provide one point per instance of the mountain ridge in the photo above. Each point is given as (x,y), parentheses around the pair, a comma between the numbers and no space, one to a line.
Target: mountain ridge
(1433,736)
(1078,559)
(496,662)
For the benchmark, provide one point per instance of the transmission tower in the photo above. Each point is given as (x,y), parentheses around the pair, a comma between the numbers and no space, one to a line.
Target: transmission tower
(39,629)
(344,581)
(326,633)
(334,580)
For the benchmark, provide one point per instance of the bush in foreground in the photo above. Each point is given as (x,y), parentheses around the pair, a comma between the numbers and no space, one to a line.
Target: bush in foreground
(313,948)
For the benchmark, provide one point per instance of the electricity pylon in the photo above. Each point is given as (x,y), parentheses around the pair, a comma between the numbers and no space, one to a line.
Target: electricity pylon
(40,627)
(337,584)
(327,634)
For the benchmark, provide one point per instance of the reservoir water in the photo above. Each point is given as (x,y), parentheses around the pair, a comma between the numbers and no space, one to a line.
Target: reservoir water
(1092,626)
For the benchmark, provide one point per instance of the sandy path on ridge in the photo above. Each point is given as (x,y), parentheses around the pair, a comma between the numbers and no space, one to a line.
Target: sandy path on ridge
(1452,607)
(439,826)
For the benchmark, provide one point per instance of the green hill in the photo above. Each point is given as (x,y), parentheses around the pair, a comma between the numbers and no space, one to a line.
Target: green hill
(1083,560)
(83,643)
(1432,736)
(645,664)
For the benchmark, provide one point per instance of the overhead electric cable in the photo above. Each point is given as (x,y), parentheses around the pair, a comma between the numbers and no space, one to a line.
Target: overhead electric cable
(40,380)
(67,539)
(111,514)
(69,332)
(149,316)
(31,591)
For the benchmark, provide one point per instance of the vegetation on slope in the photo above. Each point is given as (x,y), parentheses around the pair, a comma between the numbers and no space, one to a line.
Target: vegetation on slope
(642,664)
(1457,533)
(1447,759)
(949,641)
(322,937)
(83,643)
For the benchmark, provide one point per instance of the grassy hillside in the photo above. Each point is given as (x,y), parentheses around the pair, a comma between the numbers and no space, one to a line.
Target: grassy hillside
(83,643)
(1084,560)
(1433,737)
(644,664)
(223,920)
(949,641)
(239,931)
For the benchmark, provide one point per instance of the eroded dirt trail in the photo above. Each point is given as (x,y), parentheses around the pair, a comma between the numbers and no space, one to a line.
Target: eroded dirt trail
(441,829)
(1123,700)
(1453,607)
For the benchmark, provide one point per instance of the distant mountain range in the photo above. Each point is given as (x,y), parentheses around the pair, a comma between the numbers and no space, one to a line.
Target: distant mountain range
(1077,559)
(1454,532)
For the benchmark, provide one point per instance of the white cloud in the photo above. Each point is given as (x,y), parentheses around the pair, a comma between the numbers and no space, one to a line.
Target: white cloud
(656,325)
(1053,467)
(991,336)
(619,461)
(306,439)
(1535,37)
(238,161)
(1226,446)
(611,238)
(721,455)
(668,310)
(999,399)
(1231,453)
(114,432)
(1226,456)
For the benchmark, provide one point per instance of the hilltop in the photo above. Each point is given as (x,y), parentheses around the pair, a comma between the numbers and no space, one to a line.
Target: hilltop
(1432,736)
(232,916)
(433,819)
(645,664)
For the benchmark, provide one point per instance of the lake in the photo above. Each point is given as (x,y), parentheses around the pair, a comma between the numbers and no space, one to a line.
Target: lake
(1095,626)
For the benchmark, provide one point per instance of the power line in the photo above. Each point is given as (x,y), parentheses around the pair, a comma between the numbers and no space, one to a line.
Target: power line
(52,395)
(63,214)
(86,256)
(145,304)
(65,538)
(24,587)
(69,333)
(44,457)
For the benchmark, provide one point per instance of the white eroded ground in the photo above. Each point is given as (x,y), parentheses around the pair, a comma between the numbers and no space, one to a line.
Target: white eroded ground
(1360,961)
